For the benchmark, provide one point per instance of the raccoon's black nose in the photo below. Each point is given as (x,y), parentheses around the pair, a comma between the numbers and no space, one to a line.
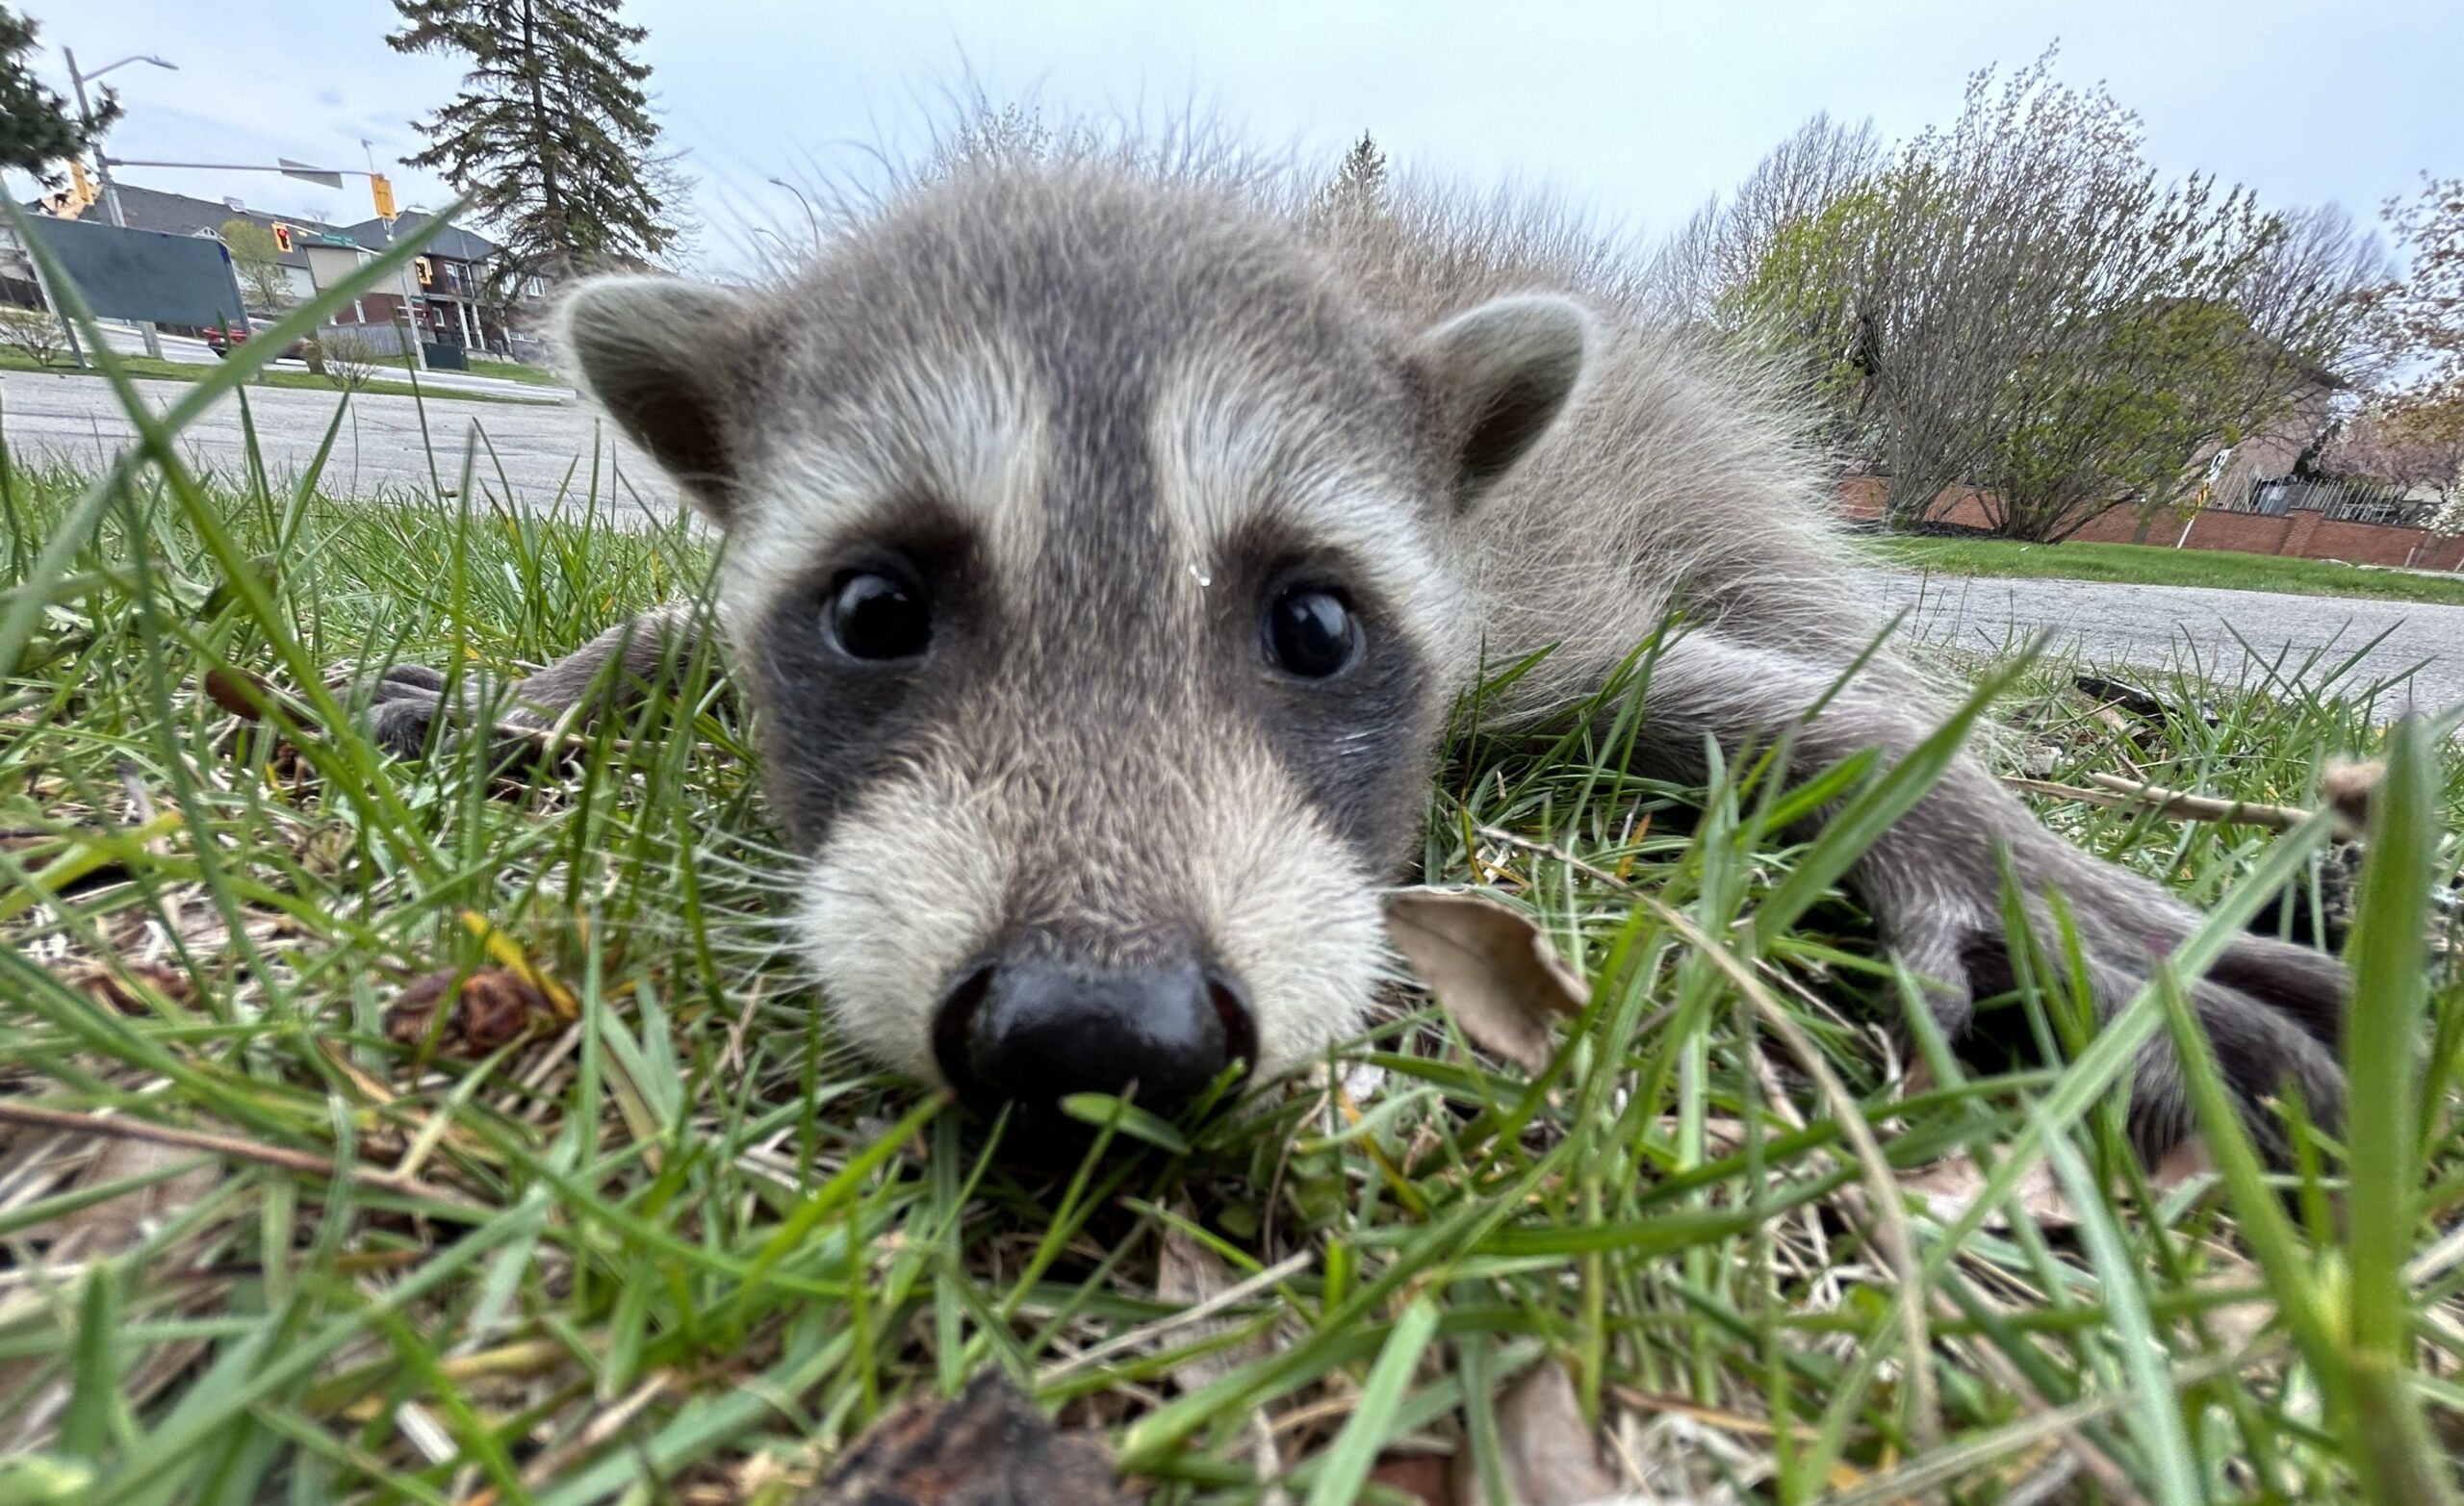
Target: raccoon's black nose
(1035,1032)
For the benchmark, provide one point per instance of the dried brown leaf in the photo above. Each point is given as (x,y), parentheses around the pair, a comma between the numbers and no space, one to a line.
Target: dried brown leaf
(1489,966)
(109,986)
(487,1010)
(1951,1186)
(101,1229)
(1550,1457)
(239,693)
(991,1448)
(2349,788)
(1428,1478)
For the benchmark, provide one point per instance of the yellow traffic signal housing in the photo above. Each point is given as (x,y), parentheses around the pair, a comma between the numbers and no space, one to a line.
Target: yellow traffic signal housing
(282,238)
(380,188)
(425,269)
(81,188)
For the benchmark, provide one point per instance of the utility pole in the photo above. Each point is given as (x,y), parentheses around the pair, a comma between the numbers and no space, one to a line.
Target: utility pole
(103,165)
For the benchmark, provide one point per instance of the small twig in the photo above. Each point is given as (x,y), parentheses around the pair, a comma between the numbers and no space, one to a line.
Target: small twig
(125,1127)
(1551,850)
(1195,1313)
(2171,803)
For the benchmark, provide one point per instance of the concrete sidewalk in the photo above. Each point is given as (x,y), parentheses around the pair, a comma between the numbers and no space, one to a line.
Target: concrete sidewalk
(2229,636)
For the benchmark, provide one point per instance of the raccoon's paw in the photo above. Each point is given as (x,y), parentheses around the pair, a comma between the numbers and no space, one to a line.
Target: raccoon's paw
(398,707)
(2272,1011)
(406,714)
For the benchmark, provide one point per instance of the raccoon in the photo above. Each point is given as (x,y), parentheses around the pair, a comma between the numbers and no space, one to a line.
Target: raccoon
(1103,554)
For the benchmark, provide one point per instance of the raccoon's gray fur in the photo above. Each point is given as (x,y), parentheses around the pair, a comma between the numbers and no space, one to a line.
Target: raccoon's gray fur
(1099,423)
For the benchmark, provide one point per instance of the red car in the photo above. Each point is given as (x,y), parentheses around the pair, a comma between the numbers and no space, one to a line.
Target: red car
(221,340)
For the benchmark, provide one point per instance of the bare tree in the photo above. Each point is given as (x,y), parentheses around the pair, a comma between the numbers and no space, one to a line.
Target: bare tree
(1698,273)
(1680,289)
(346,363)
(2018,303)
(2424,313)
(2235,324)
(1821,162)
(34,334)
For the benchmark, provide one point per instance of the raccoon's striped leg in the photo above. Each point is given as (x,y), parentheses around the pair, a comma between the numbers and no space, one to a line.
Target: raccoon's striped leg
(407,704)
(1934,884)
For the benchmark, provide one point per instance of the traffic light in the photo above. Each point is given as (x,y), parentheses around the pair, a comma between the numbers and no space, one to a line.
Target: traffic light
(282,238)
(425,269)
(81,188)
(380,188)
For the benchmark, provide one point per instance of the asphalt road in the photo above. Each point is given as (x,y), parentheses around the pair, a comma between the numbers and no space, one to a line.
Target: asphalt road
(2230,636)
(381,450)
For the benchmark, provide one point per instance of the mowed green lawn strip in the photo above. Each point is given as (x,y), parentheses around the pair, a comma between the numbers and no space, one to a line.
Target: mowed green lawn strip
(2153,565)
(514,371)
(145,366)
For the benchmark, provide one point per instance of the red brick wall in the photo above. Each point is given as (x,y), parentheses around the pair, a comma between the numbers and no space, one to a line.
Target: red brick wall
(2301,535)
(381,308)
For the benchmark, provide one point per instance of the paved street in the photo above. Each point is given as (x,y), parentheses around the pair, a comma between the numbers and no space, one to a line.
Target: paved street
(2163,625)
(379,450)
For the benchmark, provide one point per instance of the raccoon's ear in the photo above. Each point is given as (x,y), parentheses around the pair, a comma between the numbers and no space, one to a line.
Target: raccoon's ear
(1502,373)
(659,354)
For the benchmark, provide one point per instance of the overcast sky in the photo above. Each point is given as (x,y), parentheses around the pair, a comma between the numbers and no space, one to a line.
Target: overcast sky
(1637,114)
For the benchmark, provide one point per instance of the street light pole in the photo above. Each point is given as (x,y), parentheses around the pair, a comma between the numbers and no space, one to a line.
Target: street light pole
(103,165)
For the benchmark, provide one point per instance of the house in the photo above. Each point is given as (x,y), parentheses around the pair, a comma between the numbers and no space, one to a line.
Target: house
(313,255)
(440,294)
(454,304)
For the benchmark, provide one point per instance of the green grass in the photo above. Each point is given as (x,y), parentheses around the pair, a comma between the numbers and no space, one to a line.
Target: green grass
(11,360)
(2141,563)
(678,1245)
(515,371)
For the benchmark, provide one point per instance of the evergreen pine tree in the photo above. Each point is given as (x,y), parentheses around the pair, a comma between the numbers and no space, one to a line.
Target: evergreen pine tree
(552,135)
(38,128)
(1359,182)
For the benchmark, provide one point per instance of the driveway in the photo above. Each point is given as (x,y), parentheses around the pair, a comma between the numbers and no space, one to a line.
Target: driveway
(381,449)
(2230,636)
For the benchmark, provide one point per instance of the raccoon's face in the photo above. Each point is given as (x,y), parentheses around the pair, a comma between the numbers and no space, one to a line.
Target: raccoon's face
(1092,563)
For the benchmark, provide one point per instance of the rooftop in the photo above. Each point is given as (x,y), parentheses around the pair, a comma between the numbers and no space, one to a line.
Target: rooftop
(453,242)
(152,208)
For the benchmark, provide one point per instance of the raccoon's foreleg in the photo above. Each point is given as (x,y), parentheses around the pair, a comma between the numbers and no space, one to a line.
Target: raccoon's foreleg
(619,669)
(1933,882)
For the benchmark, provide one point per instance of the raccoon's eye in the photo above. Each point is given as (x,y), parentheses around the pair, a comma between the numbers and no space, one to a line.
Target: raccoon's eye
(873,616)
(1312,634)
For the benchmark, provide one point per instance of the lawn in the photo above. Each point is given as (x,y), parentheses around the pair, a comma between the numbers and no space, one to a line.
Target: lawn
(11,360)
(514,371)
(646,1233)
(2143,564)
